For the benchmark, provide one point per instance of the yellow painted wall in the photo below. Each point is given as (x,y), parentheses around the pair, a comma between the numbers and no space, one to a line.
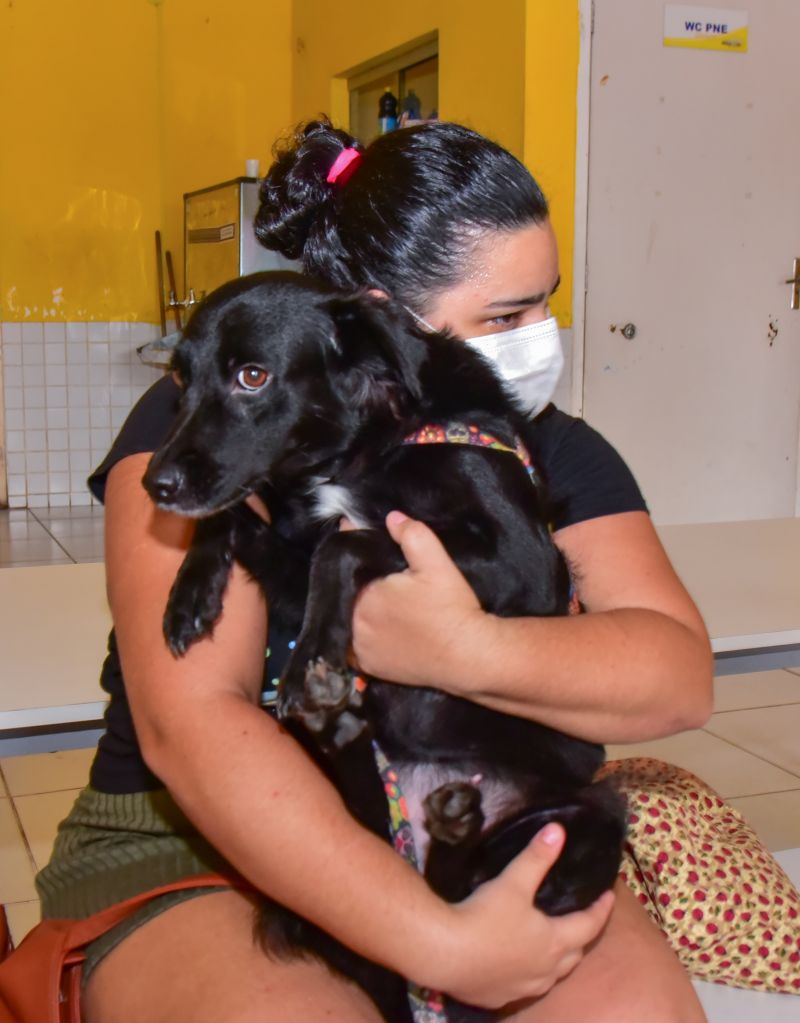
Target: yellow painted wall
(552,46)
(79,175)
(112,109)
(481,55)
(507,68)
(226,94)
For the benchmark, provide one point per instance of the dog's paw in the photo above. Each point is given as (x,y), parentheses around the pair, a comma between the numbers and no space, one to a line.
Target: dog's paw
(453,812)
(323,702)
(189,617)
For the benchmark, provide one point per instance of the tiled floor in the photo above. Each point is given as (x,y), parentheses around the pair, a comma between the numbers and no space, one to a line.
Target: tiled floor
(748,751)
(50,536)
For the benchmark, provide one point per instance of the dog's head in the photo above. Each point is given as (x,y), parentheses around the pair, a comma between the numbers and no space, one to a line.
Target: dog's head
(279,374)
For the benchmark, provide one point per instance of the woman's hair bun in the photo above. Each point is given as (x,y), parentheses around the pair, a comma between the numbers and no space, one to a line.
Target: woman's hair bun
(295,189)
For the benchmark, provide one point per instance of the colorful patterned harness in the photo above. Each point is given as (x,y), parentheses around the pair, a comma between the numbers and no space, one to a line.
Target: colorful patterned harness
(457,433)
(428,1006)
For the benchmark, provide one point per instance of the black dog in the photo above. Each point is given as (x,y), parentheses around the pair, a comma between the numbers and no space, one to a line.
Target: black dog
(308,398)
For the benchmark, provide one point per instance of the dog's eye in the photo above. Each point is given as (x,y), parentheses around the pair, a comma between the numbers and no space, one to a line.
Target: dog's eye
(252,378)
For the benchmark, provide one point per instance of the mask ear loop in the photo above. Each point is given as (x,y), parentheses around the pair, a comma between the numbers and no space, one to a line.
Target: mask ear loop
(421,320)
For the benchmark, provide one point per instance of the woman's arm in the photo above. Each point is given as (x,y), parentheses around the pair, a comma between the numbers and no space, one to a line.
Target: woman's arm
(637,666)
(249,787)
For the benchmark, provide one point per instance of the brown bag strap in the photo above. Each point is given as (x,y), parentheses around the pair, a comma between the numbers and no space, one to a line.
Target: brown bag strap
(82,932)
(32,978)
(5,934)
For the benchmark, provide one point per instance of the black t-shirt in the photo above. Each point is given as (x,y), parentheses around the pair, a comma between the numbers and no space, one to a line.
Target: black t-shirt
(585,478)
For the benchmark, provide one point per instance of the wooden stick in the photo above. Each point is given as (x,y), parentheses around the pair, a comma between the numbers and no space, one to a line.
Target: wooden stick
(176,309)
(162,309)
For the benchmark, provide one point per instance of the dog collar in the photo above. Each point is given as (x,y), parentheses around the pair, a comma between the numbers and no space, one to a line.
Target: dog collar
(458,433)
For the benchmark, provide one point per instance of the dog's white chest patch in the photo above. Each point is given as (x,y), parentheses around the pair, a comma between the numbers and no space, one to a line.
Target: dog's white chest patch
(331,500)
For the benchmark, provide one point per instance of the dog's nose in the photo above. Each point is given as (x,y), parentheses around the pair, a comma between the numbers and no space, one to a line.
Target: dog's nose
(165,484)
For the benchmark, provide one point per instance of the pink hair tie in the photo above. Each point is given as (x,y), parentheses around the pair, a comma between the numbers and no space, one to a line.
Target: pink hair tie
(348,158)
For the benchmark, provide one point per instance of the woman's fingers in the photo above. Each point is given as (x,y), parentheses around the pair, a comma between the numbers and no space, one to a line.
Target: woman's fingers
(539,950)
(529,869)
(422,548)
(538,856)
(410,623)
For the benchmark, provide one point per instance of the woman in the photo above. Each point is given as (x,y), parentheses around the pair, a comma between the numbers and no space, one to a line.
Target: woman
(456,229)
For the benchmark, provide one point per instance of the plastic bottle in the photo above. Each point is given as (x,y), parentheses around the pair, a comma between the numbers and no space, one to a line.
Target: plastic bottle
(412,106)
(387,112)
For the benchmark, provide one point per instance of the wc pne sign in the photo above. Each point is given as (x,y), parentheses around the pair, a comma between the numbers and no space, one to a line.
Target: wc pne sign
(705,28)
(710,28)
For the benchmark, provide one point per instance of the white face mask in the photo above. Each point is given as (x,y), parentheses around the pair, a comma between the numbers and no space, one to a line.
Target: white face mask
(529,359)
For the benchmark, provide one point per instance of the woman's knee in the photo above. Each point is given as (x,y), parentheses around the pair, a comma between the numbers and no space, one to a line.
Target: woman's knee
(644,979)
(199,961)
(629,974)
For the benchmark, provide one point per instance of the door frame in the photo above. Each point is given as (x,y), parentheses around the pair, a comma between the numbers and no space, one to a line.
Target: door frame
(580,252)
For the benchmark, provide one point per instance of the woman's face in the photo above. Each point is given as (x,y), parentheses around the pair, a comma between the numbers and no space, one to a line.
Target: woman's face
(509,279)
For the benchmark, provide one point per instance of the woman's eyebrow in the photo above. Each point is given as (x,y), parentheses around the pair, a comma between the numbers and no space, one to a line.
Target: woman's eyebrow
(529,300)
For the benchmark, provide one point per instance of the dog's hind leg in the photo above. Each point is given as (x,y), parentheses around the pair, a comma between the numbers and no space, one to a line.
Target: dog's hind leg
(317,689)
(453,819)
(594,819)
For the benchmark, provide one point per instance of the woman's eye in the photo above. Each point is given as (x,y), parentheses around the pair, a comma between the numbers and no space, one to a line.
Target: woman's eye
(252,378)
(506,320)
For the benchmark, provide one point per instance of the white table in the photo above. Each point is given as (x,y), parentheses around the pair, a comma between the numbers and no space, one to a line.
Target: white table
(54,619)
(745,578)
(54,625)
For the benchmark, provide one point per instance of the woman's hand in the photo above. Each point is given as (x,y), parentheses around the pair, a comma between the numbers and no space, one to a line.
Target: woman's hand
(637,667)
(498,948)
(407,622)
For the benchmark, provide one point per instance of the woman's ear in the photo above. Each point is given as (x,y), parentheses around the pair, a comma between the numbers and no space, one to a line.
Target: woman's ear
(377,293)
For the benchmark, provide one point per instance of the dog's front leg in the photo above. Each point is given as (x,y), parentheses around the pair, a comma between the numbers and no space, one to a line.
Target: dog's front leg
(280,569)
(317,689)
(195,600)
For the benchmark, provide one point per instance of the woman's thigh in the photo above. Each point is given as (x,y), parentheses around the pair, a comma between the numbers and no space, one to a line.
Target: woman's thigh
(629,975)
(199,961)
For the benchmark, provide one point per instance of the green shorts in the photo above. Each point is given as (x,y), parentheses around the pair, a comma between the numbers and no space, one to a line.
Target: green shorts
(112,847)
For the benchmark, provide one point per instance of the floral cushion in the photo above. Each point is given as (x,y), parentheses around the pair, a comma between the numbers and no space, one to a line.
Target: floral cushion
(725,905)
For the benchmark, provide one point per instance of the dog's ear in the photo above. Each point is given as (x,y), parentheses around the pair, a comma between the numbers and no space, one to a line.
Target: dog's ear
(376,355)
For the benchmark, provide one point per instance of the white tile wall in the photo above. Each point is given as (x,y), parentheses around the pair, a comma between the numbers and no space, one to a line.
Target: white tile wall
(67,390)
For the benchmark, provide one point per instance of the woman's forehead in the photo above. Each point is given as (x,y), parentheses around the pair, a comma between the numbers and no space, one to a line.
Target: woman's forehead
(513,266)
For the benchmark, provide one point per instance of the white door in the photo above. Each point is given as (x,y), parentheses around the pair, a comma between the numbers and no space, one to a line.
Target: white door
(693,223)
